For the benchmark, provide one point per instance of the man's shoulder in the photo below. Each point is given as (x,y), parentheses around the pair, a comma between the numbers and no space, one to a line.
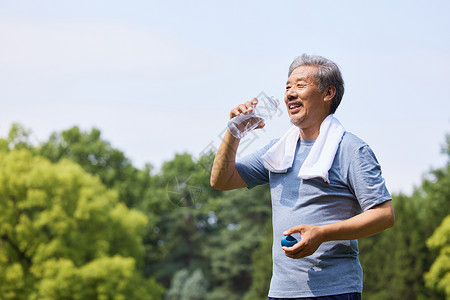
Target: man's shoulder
(350,143)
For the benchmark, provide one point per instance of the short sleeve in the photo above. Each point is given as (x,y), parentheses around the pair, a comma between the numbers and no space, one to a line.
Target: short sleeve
(366,181)
(251,168)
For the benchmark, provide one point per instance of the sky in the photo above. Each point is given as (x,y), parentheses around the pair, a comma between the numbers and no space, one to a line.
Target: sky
(159,78)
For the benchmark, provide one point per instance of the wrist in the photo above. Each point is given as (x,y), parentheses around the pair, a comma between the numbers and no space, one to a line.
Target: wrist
(325,233)
(230,139)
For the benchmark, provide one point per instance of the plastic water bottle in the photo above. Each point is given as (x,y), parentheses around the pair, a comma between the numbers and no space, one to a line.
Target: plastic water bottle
(242,124)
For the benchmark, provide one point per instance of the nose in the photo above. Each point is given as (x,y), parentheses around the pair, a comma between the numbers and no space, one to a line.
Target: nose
(291,93)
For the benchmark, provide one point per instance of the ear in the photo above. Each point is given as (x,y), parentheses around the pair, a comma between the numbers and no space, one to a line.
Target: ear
(329,93)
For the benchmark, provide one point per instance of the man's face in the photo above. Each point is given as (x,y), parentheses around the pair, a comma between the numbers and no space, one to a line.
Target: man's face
(305,103)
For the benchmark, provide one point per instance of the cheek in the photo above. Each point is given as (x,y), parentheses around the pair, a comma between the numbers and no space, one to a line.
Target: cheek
(304,93)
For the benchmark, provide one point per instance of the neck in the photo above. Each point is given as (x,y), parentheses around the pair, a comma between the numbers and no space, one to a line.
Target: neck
(311,132)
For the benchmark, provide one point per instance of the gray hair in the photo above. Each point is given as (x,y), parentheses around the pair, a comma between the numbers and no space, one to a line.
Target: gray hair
(327,74)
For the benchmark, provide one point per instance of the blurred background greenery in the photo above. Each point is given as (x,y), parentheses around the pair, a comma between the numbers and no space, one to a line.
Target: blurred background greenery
(79,221)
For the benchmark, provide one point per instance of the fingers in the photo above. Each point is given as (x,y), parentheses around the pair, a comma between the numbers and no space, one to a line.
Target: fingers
(246,107)
(294,251)
(311,239)
(261,125)
(299,250)
(292,230)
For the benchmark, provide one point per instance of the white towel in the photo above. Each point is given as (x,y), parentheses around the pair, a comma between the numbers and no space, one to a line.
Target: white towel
(280,157)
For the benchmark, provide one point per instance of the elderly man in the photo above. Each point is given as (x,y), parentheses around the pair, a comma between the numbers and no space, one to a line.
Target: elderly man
(326,187)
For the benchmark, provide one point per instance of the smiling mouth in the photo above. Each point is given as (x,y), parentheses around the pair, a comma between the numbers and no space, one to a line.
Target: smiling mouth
(294,107)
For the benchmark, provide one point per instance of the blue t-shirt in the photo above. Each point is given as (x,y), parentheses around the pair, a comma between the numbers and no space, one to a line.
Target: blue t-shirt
(355,186)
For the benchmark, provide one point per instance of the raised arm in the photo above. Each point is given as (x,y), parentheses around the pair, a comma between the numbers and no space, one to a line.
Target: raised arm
(224,175)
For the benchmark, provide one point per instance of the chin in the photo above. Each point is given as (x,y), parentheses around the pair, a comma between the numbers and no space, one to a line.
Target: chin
(295,121)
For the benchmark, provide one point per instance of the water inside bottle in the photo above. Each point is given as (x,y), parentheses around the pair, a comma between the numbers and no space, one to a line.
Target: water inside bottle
(240,125)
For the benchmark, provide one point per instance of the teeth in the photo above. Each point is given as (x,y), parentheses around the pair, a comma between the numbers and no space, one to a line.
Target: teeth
(294,106)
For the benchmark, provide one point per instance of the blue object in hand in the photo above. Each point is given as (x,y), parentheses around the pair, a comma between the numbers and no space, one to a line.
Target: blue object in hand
(288,241)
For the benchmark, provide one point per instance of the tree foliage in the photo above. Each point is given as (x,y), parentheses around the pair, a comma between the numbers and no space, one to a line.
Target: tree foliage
(262,266)
(177,285)
(439,275)
(79,221)
(98,157)
(64,235)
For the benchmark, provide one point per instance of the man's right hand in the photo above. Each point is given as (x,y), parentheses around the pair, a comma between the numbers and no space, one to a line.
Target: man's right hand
(245,108)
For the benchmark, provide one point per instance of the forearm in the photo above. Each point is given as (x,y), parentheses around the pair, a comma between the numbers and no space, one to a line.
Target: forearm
(224,168)
(363,225)
(224,175)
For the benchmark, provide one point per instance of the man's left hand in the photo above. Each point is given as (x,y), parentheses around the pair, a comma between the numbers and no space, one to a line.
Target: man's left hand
(311,239)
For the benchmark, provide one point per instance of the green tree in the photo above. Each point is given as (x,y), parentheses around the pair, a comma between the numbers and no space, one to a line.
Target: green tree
(439,275)
(64,235)
(187,219)
(186,286)
(135,187)
(262,266)
(98,157)
(242,216)
(204,229)
(18,137)
(195,287)
(177,284)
